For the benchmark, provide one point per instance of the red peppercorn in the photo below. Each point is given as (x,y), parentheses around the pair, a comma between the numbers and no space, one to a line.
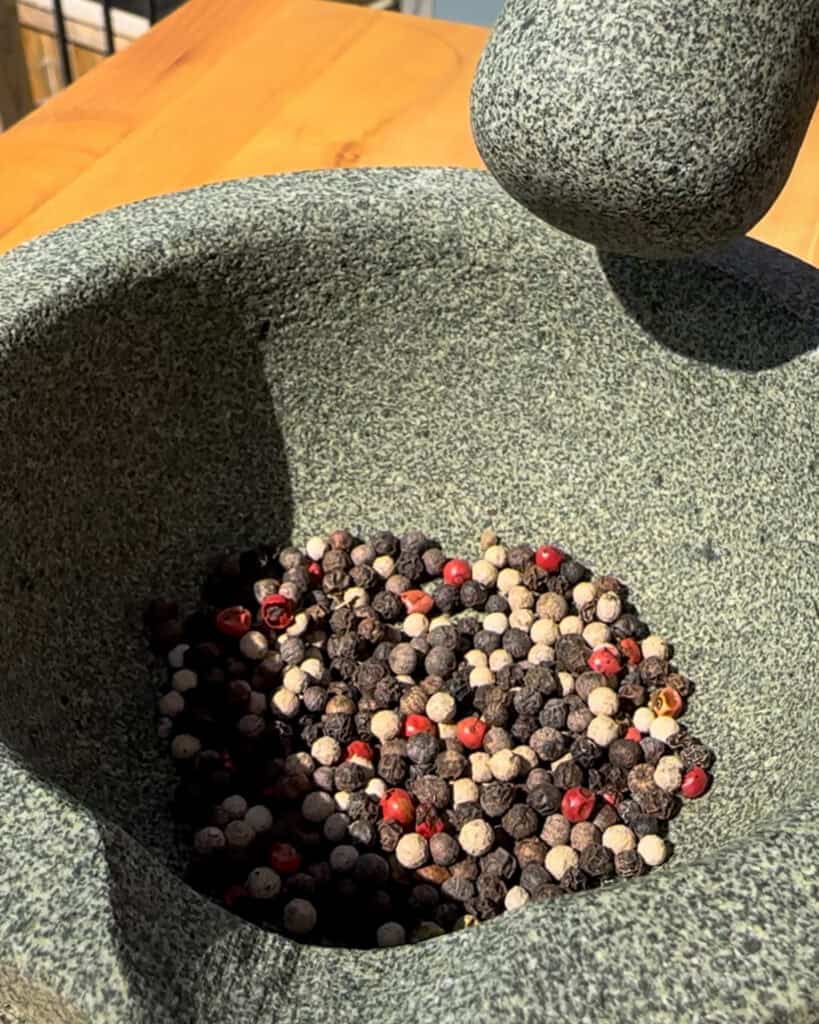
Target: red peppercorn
(457,571)
(276,611)
(429,828)
(577,804)
(695,782)
(234,621)
(667,702)
(630,650)
(315,570)
(549,558)
(633,733)
(397,805)
(610,798)
(470,732)
(358,748)
(232,895)
(284,858)
(417,601)
(605,659)
(418,723)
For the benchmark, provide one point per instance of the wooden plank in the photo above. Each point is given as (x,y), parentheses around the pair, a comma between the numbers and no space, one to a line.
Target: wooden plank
(15,90)
(222,90)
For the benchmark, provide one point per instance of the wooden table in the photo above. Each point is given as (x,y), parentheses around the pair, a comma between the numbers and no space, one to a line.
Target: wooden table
(222,90)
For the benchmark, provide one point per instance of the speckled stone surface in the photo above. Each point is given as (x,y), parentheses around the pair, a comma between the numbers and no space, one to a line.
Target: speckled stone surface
(269,358)
(647,127)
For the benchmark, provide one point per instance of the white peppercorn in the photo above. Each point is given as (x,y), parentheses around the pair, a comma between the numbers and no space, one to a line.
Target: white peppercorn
(412,851)
(516,898)
(441,707)
(263,884)
(642,719)
(259,818)
(668,773)
(609,607)
(603,701)
(464,791)
(183,680)
(342,799)
(176,655)
(596,633)
(234,806)
(556,830)
(559,860)
(415,624)
(326,751)
(484,572)
(239,835)
(571,625)
(496,555)
(476,659)
(299,625)
(476,837)
(520,597)
(481,677)
(603,730)
(505,765)
(384,565)
(184,747)
(544,631)
(521,618)
(496,622)
(385,725)
(618,838)
(171,704)
(527,755)
(507,578)
(540,654)
(376,788)
(654,646)
(566,680)
(264,588)
(653,849)
(209,840)
(584,594)
(499,659)
(285,703)
(480,766)
(663,728)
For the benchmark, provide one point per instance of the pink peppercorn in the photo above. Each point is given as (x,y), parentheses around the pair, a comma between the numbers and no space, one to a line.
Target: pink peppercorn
(457,571)
(605,659)
(549,558)
(695,782)
(234,621)
(577,804)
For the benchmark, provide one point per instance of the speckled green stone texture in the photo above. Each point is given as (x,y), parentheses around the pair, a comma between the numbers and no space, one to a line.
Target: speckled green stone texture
(649,127)
(273,357)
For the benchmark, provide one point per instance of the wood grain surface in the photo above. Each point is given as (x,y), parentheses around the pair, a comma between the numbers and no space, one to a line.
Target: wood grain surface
(223,90)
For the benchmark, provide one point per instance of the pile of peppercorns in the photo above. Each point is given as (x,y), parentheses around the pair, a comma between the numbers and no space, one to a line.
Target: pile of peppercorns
(377,744)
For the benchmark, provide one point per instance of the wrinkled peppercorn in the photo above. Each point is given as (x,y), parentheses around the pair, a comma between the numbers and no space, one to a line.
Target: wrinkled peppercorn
(545,799)
(571,653)
(496,798)
(520,821)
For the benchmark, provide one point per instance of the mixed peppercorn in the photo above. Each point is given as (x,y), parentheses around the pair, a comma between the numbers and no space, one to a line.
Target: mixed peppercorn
(377,744)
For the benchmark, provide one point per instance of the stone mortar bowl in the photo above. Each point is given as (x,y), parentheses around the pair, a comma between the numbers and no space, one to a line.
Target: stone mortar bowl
(277,356)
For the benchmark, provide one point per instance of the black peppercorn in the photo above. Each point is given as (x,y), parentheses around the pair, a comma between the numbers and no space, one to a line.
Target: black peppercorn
(389,833)
(467,811)
(519,556)
(496,706)
(384,543)
(423,747)
(573,572)
(342,620)
(382,651)
(520,821)
(364,576)
(421,645)
(392,768)
(538,777)
(568,775)
(440,661)
(632,694)
(571,653)
(558,585)
(370,629)
(533,877)
(496,603)
(473,594)
(652,749)
(653,672)
(446,597)
(444,849)
(498,863)
(459,889)
(339,727)
(446,914)
(413,701)
(486,641)
(496,798)
(291,650)
(434,561)
(450,764)
(387,692)
(655,802)
(625,753)
(585,752)
(335,581)
(467,868)
(491,889)
(548,744)
(530,851)
(409,564)
(516,642)
(588,681)
(335,560)
(432,791)
(523,727)
(388,606)
(528,700)
(351,776)
(362,832)
(344,667)
(545,799)
(628,863)
(554,713)
(533,578)
(342,645)
(575,880)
